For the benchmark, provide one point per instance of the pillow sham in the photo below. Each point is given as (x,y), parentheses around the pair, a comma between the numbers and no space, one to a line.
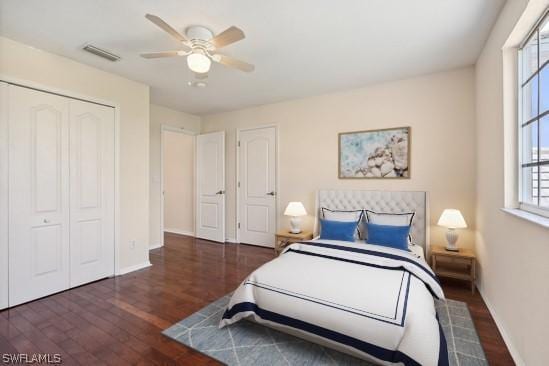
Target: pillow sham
(344,216)
(389,235)
(390,219)
(338,230)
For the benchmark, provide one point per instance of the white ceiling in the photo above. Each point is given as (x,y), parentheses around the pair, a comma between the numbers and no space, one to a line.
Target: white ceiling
(299,47)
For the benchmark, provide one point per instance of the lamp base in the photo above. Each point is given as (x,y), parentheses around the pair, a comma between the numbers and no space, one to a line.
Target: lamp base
(295,225)
(451,240)
(451,249)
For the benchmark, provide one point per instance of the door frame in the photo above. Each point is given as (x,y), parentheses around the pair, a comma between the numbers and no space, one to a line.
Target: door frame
(4,198)
(169,128)
(107,103)
(237,177)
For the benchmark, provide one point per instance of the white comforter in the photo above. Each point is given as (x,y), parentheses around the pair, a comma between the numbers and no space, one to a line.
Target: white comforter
(373,302)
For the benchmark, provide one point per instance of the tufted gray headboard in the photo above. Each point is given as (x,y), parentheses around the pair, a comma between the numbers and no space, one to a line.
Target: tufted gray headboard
(379,201)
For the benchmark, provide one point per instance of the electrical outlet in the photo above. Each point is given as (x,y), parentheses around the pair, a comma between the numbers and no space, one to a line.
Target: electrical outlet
(132,244)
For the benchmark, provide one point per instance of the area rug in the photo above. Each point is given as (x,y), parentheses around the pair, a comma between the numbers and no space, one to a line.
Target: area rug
(246,343)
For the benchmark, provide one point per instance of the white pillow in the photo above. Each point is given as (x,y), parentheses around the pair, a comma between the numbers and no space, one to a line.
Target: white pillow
(390,219)
(344,216)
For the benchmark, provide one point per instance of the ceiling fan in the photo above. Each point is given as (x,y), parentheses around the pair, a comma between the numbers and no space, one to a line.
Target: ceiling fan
(200,46)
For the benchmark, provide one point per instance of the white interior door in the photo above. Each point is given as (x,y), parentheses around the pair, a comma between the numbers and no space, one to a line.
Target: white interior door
(257,186)
(91,192)
(210,186)
(3,195)
(39,194)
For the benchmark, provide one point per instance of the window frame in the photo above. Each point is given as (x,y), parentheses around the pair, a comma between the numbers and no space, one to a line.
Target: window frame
(523,80)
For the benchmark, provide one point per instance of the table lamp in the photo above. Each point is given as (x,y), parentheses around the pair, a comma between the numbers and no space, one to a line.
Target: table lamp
(295,210)
(452,219)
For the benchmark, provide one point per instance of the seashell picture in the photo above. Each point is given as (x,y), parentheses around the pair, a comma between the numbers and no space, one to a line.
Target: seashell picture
(375,154)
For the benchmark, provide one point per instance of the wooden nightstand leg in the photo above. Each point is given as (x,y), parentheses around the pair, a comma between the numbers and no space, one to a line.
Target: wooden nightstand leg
(473,276)
(277,246)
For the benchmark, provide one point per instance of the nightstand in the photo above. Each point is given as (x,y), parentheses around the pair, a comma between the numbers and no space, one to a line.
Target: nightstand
(285,238)
(460,265)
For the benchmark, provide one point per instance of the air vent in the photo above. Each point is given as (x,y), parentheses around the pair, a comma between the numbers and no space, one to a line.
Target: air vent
(101,53)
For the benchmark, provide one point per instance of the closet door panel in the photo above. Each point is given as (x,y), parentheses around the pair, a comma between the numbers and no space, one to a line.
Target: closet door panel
(3,195)
(39,194)
(92,192)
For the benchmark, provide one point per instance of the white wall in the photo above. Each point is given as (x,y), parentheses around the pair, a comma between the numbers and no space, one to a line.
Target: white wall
(178,178)
(440,108)
(30,64)
(162,116)
(513,254)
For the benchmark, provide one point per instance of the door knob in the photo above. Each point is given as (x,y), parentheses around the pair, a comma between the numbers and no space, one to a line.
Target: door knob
(273,193)
(220,192)
(46,221)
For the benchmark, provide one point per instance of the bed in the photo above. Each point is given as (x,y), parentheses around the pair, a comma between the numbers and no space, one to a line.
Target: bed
(373,302)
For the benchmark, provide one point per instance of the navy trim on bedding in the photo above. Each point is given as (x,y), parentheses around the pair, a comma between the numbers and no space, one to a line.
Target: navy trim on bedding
(365,347)
(392,268)
(372,252)
(406,301)
(443,359)
(337,306)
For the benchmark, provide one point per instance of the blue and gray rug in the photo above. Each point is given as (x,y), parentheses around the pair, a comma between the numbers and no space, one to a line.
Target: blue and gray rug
(246,343)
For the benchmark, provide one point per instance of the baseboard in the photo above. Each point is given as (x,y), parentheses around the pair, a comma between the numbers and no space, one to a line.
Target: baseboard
(512,350)
(179,232)
(156,246)
(133,268)
(231,240)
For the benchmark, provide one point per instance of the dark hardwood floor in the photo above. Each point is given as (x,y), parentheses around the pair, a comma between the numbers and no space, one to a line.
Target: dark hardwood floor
(490,337)
(118,321)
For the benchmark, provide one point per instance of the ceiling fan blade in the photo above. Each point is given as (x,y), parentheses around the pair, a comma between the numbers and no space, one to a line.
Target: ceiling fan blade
(162,54)
(168,29)
(228,36)
(232,62)
(201,76)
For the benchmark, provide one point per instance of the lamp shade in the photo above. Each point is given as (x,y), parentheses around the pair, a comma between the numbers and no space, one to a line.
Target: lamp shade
(452,218)
(295,209)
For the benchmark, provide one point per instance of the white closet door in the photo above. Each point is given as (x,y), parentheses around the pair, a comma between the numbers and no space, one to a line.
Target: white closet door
(91,192)
(3,195)
(257,186)
(39,194)
(210,186)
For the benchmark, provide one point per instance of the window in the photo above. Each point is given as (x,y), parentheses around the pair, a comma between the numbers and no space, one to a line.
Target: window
(534,120)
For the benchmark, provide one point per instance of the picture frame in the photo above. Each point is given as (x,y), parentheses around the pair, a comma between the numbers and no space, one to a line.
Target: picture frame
(375,154)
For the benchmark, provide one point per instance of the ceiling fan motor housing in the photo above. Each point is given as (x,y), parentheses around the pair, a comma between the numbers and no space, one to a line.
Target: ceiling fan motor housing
(199,33)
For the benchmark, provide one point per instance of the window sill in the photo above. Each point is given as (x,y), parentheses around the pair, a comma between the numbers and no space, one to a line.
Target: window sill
(528,216)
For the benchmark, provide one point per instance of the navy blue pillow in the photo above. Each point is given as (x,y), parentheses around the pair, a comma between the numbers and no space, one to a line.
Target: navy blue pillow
(389,236)
(338,230)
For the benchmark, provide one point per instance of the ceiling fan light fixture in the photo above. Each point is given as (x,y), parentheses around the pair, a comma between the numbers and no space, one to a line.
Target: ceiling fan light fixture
(198,62)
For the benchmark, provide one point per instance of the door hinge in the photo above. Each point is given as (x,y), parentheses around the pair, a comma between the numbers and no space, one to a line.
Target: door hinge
(238,143)
(238,184)
(239,225)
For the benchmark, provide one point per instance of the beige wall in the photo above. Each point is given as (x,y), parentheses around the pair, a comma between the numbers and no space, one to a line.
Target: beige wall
(513,253)
(162,116)
(440,108)
(29,64)
(178,178)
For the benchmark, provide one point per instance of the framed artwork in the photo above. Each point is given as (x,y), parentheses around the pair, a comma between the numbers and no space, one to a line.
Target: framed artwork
(381,154)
